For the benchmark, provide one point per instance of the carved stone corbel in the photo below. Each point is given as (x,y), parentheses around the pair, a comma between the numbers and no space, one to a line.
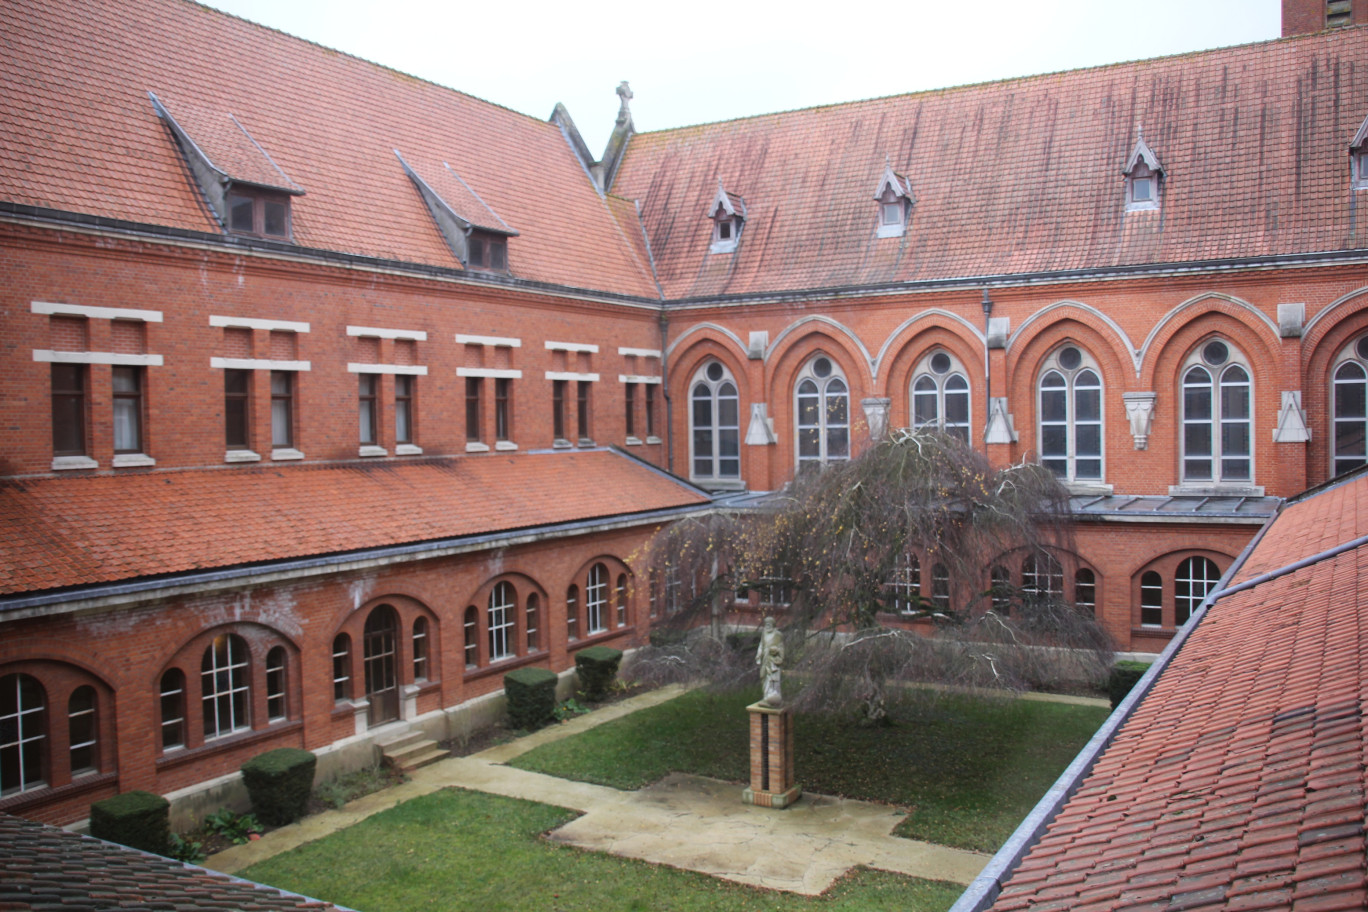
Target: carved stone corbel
(1140,411)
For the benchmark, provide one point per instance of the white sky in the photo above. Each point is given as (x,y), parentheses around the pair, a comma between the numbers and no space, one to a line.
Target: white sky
(713,60)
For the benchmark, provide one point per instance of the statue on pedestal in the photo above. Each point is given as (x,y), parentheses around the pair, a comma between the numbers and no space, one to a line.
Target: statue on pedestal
(770,657)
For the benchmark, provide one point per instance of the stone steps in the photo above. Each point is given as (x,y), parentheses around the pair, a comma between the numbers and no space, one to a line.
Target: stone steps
(411,751)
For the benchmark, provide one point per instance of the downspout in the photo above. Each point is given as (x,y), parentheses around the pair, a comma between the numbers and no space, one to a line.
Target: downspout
(665,391)
(987,364)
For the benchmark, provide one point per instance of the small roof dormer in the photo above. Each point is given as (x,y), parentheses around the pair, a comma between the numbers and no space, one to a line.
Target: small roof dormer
(728,214)
(1358,158)
(1144,176)
(895,198)
(248,192)
(476,234)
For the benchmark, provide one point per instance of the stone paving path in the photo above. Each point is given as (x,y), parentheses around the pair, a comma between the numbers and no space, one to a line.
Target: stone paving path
(684,821)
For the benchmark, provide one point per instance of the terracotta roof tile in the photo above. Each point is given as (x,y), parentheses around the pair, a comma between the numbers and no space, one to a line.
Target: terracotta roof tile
(62,532)
(1022,175)
(81,135)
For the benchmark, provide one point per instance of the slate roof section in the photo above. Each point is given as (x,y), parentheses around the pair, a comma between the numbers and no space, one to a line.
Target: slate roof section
(66,532)
(1238,782)
(1024,175)
(42,867)
(79,134)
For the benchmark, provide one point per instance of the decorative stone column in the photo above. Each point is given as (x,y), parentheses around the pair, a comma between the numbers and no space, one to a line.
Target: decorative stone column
(771,752)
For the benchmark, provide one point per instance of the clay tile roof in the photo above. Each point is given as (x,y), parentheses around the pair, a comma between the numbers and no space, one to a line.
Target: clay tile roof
(1336,513)
(228,145)
(42,867)
(1238,781)
(78,133)
(66,532)
(1022,176)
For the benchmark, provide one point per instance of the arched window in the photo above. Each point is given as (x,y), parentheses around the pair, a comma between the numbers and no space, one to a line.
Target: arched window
(714,424)
(1085,591)
(1216,415)
(472,638)
(1195,577)
(23,734)
(1042,579)
(572,612)
(275,684)
(502,602)
(172,709)
(533,621)
(622,600)
(420,648)
(940,587)
(1349,393)
(341,665)
(906,584)
(822,411)
(1151,599)
(1070,411)
(1000,589)
(940,395)
(596,600)
(224,687)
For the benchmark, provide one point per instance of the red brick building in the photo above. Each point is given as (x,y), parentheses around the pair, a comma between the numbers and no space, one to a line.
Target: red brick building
(312,369)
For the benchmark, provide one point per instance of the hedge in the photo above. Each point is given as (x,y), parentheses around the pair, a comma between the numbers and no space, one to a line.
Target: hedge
(140,820)
(596,667)
(1123,676)
(279,783)
(531,694)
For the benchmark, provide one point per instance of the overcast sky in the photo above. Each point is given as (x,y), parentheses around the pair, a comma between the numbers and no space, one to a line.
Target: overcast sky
(708,60)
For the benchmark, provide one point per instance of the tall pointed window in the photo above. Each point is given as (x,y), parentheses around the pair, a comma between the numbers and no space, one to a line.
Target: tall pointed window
(714,424)
(822,411)
(1349,393)
(1070,410)
(940,395)
(1217,423)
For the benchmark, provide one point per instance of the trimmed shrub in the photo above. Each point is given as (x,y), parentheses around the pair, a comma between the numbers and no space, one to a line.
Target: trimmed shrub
(531,694)
(1123,676)
(140,820)
(596,667)
(279,783)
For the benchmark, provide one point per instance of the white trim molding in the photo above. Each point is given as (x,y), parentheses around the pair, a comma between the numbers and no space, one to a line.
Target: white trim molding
(412,370)
(639,352)
(584,347)
(371,332)
(498,373)
(634,378)
(259,364)
(571,375)
(117,358)
(491,341)
(95,313)
(255,323)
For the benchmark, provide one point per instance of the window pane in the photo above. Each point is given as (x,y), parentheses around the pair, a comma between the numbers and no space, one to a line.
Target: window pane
(126,414)
(239,213)
(1053,405)
(275,219)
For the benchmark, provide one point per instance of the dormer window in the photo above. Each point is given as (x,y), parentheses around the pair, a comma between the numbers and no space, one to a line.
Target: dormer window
(895,199)
(487,251)
(1144,178)
(474,232)
(1358,158)
(252,211)
(728,214)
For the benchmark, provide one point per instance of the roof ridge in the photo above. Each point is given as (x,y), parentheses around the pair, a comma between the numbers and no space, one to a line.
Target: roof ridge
(1328,33)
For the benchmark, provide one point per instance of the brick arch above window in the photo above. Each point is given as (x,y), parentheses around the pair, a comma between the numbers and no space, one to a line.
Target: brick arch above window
(1156,588)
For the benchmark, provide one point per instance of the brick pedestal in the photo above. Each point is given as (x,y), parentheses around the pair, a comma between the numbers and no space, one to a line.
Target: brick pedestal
(771,752)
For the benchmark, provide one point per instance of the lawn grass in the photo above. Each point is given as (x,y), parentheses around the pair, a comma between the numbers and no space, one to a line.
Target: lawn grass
(458,850)
(966,769)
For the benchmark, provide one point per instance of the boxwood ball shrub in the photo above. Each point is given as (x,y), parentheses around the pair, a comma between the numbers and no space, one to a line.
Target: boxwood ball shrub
(531,694)
(1123,676)
(140,820)
(279,783)
(596,667)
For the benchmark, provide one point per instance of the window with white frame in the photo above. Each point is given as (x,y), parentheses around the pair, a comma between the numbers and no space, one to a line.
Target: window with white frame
(223,686)
(533,621)
(572,613)
(1085,591)
(82,731)
(420,649)
(502,602)
(940,395)
(940,587)
(1070,413)
(906,584)
(714,424)
(275,684)
(1194,579)
(172,698)
(822,413)
(622,600)
(23,734)
(1042,578)
(596,600)
(1151,599)
(1349,397)
(341,665)
(1217,422)
(1000,589)
(472,638)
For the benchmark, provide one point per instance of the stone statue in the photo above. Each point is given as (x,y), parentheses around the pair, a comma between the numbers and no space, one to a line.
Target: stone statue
(770,658)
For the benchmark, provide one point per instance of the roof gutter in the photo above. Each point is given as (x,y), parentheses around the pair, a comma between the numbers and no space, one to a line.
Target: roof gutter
(986,888)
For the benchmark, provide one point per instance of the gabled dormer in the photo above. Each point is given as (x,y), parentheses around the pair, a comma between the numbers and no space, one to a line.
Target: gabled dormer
(728,214)
(248,192)
(1144,177)
(1358,158)
(473,231)
(895,198)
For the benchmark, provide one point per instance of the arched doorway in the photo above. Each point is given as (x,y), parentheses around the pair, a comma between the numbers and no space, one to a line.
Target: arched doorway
(382,684)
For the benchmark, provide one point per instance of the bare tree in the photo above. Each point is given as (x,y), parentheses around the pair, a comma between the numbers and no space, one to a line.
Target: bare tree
(839,542)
